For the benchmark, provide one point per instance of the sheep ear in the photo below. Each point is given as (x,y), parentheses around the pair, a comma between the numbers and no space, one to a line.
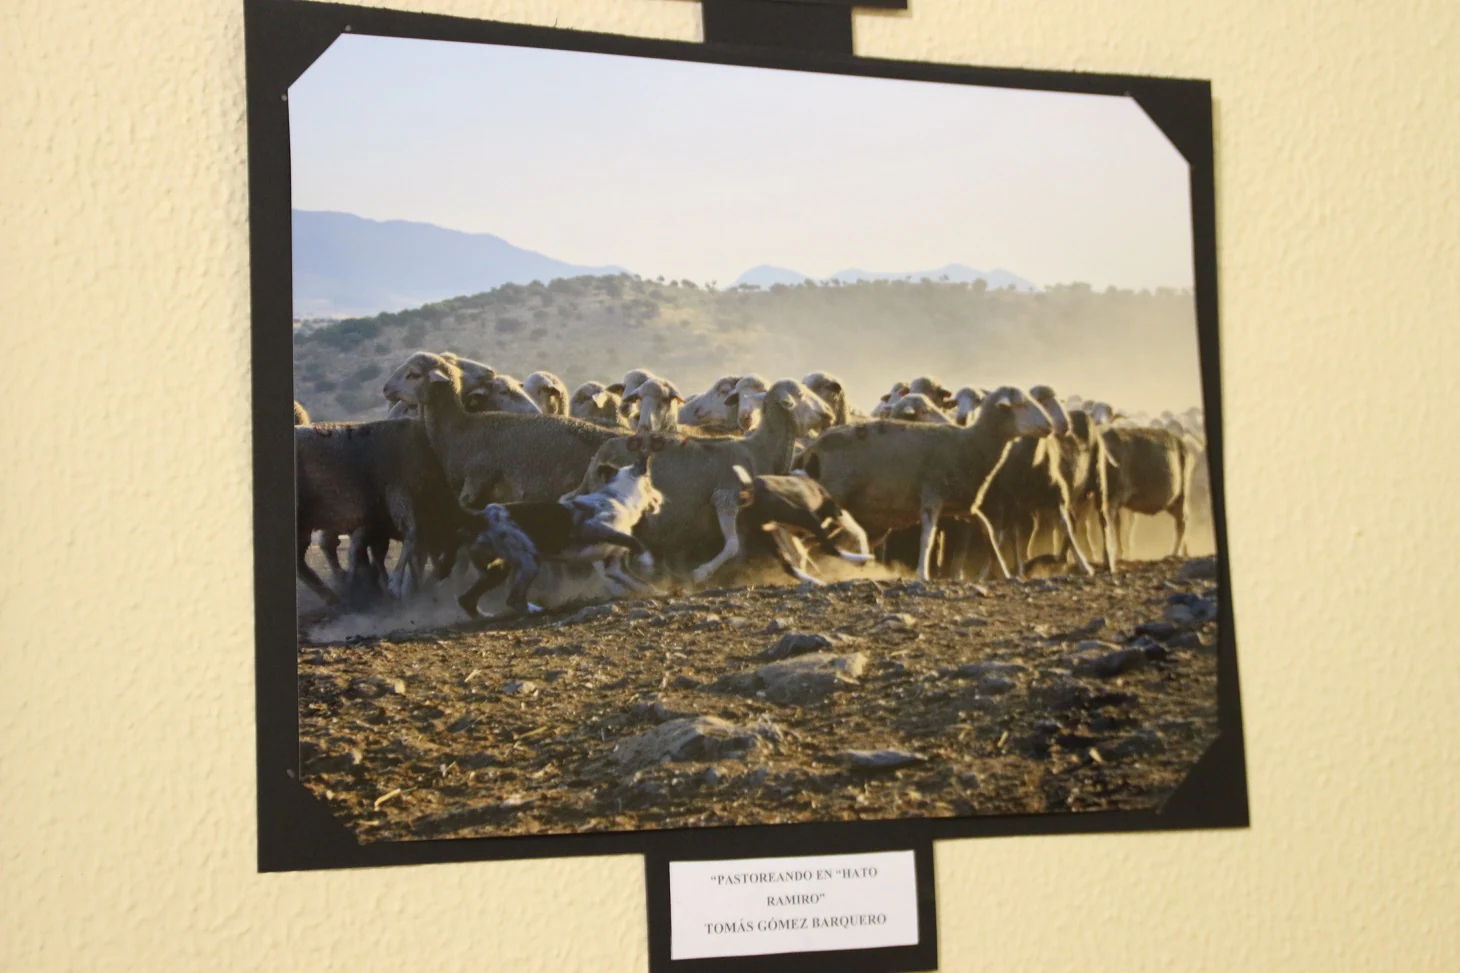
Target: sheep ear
(617,388)
(438,375)
(885,397)
(833,386)
(632,397)
(732,399)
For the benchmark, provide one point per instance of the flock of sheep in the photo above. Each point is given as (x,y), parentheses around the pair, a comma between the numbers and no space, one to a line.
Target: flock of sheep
(957,484)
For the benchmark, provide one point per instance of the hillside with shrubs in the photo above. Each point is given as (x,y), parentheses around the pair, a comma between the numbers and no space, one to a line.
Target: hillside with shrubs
(1135,348)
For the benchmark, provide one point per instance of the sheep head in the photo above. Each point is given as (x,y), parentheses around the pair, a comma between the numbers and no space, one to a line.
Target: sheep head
(826,385)
(594,400)
(502,394)
(807,411)
(658,403)
(965,403)
(474,377)
(710,405)
(933,389)
(1011,414)
(1050,403)
(548,391)
(916,407)
(747,400)
(1100,413)
(407,385)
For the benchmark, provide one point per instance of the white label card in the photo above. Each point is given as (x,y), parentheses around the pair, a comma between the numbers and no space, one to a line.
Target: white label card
(755,906)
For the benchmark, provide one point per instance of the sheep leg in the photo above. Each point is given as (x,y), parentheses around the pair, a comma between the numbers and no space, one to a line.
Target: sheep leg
(1016,532)
(1031,543)
(1060,544)
(957,552)
(1069,532)
(329,545)
(1102,513)
(1178,511)
(727,510)
(1114,536)
(443,563)
(305,573)
(405,580)
(993,545)
(932,507)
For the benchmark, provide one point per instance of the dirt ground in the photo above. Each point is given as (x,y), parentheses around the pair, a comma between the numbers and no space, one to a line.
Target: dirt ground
(771,704)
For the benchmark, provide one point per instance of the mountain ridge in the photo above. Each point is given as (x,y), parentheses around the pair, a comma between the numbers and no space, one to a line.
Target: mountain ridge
(347,265)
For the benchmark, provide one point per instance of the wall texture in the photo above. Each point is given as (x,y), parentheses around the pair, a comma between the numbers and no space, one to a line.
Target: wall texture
(126,719)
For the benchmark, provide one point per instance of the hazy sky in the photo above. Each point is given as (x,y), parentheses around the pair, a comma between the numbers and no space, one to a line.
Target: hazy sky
(704,171)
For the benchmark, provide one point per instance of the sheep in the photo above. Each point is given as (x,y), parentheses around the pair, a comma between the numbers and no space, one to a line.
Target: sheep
(1101,413)
(657,402)
(597,403)
(474,378)
(1147,471)
(548,391)
(301,415)
(376,481)
(503,394)
(1031,485)
(494,457)
(1082,457)
(892,474)
(834,394)
(697,477)
(632,380)
(965,404)
(933,389)
(708,409)
(917,407)
(750,392)
(790,507)
(883,409)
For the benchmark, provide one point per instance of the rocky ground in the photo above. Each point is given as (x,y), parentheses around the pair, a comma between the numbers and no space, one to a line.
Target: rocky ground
(863,699)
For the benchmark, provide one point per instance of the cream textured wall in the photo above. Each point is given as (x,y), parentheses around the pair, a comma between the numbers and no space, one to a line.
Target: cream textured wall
(126,706)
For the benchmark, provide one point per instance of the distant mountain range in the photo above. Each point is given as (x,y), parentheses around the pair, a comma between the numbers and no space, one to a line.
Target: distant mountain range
(348,265)
(766,276)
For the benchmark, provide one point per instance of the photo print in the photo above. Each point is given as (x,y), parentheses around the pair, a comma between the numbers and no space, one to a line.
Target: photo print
(690,445)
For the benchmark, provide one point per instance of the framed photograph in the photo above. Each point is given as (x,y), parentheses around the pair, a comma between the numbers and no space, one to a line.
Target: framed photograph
(713,450)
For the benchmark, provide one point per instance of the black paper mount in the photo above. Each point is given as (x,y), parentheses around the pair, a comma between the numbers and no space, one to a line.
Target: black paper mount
(296,832)
(823,26)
